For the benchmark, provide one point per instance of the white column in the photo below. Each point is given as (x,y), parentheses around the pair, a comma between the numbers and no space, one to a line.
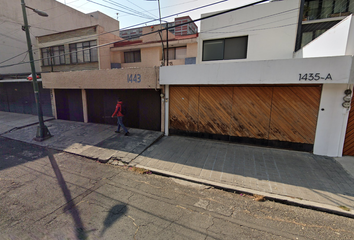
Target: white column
(167,109)
(332,121)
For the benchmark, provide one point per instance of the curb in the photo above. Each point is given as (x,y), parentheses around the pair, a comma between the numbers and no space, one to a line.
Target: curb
(268,196)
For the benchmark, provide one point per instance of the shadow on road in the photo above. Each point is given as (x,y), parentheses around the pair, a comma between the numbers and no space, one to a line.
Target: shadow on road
(113,215)
(70,206)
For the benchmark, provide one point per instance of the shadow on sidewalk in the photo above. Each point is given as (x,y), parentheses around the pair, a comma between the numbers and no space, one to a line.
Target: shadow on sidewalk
(289,173)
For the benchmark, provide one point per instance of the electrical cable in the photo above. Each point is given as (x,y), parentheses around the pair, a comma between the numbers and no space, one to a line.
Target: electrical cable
(83,38)
(129,9)
(140,8)
(167,27)
(14,57)
(115,9)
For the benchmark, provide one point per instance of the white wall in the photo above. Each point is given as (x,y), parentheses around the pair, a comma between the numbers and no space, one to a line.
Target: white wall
(271,28)
(334,42)
(350,46)
(61,18)
(332,121)
(284,71)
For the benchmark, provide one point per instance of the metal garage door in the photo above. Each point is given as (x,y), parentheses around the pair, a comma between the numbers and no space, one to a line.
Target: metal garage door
(143,107)
(280,116)
(18,97)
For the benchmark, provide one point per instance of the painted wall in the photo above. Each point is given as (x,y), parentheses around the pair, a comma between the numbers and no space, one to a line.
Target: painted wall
(334,42)
(104,52)
(136,78)
(271,28)
(285,71)
(61,18)
(332,121)
(151,53)
(350,46)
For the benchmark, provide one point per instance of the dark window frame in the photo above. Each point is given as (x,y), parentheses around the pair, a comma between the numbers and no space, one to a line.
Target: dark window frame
(132,56)
(222,42)
(83,52)
(53,56)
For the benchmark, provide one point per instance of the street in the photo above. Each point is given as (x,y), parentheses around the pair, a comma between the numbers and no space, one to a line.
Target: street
(47,194)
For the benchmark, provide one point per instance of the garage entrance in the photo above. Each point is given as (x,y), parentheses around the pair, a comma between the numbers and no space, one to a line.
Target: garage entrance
(277,116)
(143,107)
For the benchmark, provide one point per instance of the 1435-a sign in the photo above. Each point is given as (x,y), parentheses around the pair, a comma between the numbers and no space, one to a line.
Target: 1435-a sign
(314,77)
(134,78)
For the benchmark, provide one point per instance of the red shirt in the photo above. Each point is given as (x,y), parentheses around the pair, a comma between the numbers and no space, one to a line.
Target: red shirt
(118,110)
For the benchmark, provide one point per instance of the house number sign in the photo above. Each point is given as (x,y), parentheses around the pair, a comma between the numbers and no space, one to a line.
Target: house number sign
(314,77)
(134,78)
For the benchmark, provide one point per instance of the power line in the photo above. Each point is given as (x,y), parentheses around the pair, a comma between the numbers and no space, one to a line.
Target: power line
(14,57)
(202,18)
(140,7)
(135,25)
(129,9)
(115,9)
(255,19)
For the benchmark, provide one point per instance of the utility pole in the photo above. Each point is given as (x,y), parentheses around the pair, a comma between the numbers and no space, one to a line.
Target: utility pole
(42,131)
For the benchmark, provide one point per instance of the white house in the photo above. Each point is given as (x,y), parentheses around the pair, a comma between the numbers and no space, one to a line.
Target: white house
(250,86)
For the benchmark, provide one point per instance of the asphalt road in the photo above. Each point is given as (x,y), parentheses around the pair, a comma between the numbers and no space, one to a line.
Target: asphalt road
(46,194)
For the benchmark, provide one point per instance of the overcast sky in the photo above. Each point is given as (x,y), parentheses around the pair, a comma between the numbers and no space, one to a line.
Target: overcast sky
(132,12)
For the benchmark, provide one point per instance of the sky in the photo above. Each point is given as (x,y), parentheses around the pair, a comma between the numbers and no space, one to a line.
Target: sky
(132,12)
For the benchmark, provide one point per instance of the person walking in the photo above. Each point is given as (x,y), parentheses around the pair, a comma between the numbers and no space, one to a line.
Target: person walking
(118,113)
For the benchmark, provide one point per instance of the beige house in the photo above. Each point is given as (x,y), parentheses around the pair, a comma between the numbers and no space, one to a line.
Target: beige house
(16,92)
(94,68)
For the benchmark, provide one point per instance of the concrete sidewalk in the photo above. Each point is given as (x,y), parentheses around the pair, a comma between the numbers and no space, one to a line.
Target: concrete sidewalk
(296,177)
(96,141)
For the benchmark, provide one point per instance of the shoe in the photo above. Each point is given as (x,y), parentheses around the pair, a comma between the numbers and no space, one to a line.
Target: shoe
(127,134)
(117,131)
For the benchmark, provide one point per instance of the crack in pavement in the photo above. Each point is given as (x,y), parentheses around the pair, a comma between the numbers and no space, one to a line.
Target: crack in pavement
(134,225)
(71,204)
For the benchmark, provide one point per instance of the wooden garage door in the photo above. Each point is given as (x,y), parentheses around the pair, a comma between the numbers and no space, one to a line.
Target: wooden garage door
(349,136)
(260,112)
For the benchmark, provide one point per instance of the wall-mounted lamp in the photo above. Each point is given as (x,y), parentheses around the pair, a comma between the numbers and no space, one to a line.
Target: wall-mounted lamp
(347,98)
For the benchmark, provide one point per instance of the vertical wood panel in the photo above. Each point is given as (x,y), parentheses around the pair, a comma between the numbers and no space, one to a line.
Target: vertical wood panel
(215,105)
(193,109)
(251,112)
(179,105)
(294,114)
(348,148)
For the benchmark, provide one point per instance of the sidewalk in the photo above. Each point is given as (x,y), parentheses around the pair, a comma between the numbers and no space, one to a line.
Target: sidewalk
(299,178)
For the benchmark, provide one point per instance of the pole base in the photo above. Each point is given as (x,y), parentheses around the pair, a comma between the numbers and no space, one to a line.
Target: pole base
(42,134)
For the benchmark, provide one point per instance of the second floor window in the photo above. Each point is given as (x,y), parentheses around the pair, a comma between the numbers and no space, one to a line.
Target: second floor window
(132,56)
(176,53)
(53,55)
(83,52)
(225,49)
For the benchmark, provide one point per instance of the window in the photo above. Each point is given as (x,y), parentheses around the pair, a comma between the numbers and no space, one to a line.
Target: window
(83,52)
(133,56)
(53,55)
(176,53)
(225,49)
(318,9)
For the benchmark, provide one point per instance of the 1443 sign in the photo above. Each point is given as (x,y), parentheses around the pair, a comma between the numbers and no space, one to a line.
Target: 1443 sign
(314,77)
(134,78)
